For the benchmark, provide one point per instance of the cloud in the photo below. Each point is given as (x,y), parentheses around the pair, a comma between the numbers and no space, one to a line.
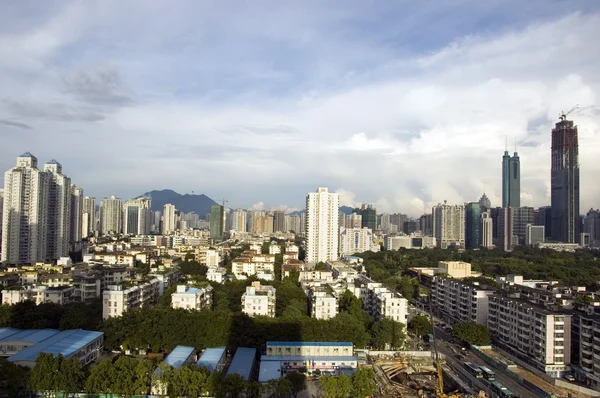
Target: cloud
(258,206)
(13,123)
(263,109)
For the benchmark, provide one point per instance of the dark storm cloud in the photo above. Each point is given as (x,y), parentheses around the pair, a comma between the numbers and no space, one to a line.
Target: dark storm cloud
(12,123)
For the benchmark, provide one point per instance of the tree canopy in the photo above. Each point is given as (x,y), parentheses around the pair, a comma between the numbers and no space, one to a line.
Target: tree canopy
(420,325)
(472,333)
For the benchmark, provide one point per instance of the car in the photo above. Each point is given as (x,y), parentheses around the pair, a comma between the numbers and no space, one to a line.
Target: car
(460,357)
(569,377)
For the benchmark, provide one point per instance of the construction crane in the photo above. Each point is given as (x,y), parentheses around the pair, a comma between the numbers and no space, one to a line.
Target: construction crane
(563,115)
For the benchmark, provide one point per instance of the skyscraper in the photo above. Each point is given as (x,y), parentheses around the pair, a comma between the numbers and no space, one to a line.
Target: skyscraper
(76,217)
(485,204)
(487,230)
(449,225)
(88,222)
(279,221)
(111,213)
(217,217)
(137,216)
(369,216)
(322,226)
(59,208)
(511,180)
(24,221)
(168,219)
(564,184)
(473,225)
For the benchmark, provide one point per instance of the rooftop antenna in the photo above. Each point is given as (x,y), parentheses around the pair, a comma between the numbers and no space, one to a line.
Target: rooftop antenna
(506,143)
(515,145)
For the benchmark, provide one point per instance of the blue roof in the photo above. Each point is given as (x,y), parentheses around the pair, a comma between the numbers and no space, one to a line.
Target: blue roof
(211,357)
(243,361)
(66,343)
(301,358)
(27,155)
(309,344)
(53,161)
(179,355)
(269,370)
(5,332)
(32,336)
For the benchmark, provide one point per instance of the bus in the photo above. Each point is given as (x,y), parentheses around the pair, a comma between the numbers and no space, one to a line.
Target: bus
(488,373)
(429,338)
(499,389)
(474,370)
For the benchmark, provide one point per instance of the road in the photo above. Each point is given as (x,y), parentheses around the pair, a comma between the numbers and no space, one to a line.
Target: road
(444,346)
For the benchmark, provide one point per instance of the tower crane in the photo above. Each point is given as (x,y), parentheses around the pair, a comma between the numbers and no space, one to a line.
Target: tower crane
(563,115)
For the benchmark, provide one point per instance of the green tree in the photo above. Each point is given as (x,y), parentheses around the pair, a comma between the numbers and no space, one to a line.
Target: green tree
(363,383)
(321,266)
(297,382)
(387,333)
(13,378)
(420,325)
(42,377)
(102,377)
(72,376)
(472,333)
(336,387)
(234,385)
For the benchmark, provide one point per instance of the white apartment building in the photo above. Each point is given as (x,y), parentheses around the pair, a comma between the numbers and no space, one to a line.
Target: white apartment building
(262,265)
(39,295)
(461,301)
(589,348)
(111,212)
(449,225)
(274,248)
(59,208)
(322,302)
(192,298)
(239,220)
(487,230)
(216,275)
(356,240)
(322,227)
(381,302)
(118,299)
(397,242)
(312,275)
(137,216)
(168,219)
(532,333)
(209,257)
(259,300)
(24,219)
(88,219)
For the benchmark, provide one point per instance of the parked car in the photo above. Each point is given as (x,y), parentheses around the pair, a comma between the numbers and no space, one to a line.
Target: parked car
(569,377)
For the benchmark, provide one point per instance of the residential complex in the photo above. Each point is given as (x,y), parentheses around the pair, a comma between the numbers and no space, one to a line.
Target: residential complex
(322,226)
(259,300)
(118,298)
(460,300)
(322,302)
(192,298)
(380,303)
(449,225)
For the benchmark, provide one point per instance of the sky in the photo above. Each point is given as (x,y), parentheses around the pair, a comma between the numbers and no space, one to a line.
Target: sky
(401,104)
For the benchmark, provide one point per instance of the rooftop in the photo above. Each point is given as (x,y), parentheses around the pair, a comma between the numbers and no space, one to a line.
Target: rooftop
(179,355)
(301,358)
(66,343)
(211,357)
(31,336)
(243,362)
(309,343)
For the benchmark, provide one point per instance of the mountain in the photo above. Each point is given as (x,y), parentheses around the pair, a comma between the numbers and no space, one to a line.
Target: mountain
(347,210)
(199,204)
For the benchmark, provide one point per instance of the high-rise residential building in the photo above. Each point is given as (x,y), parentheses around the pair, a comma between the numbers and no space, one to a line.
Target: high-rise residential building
(564,185)
(384,222)
(217,217)
(294,223)
(24,220)
(473,225)
(279,221)
(356,240)
(88,222)
(487,230)
(59,208)
(137,216)
(398,219)
(505,227)
(426,224)
(449,225)
(511,180)
(485,204)
(353,220)
(521,217)
(1,213)
(322,226)
(262,223)
(111,212)
(76,217)
(239,220)
(369,216)
(544,217)
(169,223)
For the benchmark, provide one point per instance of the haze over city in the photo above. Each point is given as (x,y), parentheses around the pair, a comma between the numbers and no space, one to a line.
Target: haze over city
(390,104)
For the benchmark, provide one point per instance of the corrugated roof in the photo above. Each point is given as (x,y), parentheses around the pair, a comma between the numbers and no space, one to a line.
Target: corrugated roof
(179,355)
(32,336)
(242,363)
(6,332)
(66,343)
(269,370)
(211,357)
(309,344)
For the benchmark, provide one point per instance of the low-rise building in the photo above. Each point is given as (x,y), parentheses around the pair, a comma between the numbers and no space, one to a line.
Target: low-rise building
(209,257)
(39,294)
(216,275)
(118,298)
(87,284)
(180,356)
(259,300)
(274,248)
(289,265)
(532,333)
(262,265)
(167,278)
(381,302)
(460,300)
(356,240)
(312,275)
(322,302)
(192,298)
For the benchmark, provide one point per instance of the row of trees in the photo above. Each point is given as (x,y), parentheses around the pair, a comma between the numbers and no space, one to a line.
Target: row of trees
(360,384)
(28,315)
(472,333)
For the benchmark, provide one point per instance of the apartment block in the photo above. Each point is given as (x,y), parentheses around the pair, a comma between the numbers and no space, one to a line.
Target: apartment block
(455,269)
(87,284)
(192,298)
(322,302)
(588,348)
(209,257)
(381,302)
(312,275)
(118,299)
(216,275)
(534,334)
(39,295)
(249,263)
(461,301)
(259,300)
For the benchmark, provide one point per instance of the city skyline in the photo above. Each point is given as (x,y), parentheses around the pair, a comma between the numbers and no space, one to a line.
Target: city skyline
(345,97)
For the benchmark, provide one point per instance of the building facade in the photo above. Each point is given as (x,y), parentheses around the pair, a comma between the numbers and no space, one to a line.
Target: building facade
(322,302)
(322,226)
(192,298)
(217,224)
(111,213)
(59,211)
(381,302)
(168,222)
(88,218)
(511,180)
(449,225)
(356,240)
(118,299)
(259,300)
(460,301)
(473,225)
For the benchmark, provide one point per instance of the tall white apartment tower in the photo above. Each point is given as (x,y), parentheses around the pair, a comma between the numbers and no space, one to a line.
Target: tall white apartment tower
(168,218)
(111,210)
(449,225)
(487,229)
(59,211)
(137,216)
(88,217)
(322,226)
(76,217)
(24,219)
